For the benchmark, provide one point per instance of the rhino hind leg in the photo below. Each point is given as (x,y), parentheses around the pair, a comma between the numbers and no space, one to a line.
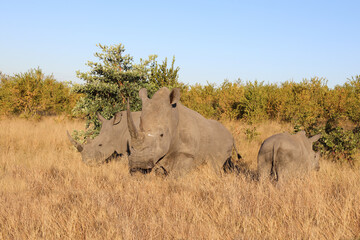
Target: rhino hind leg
(265,167)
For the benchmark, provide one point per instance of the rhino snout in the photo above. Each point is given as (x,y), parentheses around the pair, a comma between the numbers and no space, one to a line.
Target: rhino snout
(94,159)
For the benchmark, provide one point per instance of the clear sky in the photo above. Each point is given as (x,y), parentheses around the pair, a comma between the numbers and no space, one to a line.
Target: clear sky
(270,41)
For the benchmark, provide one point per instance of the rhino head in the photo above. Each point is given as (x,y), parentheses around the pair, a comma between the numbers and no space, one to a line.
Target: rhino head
(157,129)
(312,156)
(111,141)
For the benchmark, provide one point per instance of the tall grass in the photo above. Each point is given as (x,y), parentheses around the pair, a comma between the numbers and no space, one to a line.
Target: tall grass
(46,192)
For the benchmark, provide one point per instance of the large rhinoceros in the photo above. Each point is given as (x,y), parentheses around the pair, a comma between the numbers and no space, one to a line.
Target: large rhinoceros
(283,155)
(113,139)
(174,139)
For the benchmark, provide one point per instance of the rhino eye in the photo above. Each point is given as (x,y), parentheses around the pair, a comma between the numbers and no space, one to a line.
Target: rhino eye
(100,144)
(161,135)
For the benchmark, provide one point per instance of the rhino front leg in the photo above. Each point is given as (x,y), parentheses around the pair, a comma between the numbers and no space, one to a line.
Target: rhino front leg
(178,164)
(160,171)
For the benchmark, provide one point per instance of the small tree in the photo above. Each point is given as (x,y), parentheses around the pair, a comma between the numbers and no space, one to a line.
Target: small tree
(114,79)
(162,76)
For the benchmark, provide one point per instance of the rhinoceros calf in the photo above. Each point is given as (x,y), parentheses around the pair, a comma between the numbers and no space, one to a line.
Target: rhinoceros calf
(174,139)
(283,155)
(114,138)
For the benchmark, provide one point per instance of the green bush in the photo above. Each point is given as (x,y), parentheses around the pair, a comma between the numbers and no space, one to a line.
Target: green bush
(352,98)
(203,99)
(231,98)
(33,94)
(337,143)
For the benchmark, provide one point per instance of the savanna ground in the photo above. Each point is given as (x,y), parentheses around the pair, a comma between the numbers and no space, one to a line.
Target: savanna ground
(46,192)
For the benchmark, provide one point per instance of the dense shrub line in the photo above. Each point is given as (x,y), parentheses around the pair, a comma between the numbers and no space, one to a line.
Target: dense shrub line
(305,103)
(34,94)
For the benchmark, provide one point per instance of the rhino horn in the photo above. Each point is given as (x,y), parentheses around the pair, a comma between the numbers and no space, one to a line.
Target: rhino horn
(78,146)
(143,95)
(101,118)
(131,125)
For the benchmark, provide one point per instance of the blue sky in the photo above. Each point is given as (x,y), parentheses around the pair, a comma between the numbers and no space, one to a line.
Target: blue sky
(270,41)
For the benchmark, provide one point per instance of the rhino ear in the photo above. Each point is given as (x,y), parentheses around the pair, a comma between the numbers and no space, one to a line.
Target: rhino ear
(315,138)
(117,118)
(175,96)
(143,94)
(301,133)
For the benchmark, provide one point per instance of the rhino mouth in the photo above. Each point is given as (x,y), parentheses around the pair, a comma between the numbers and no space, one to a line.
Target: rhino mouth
(141,170)
(113,157)
(94,162)
(145,170)
(160,159)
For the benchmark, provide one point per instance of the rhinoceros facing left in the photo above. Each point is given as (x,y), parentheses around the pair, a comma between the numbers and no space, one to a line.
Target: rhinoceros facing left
(114,138)
(283,155)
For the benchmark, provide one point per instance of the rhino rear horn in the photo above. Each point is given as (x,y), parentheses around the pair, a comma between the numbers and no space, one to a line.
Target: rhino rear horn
(131,125)
(78,146)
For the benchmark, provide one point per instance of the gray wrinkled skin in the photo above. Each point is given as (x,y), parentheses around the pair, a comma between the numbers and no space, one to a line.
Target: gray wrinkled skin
(284,155)
(174,139)
(113,140)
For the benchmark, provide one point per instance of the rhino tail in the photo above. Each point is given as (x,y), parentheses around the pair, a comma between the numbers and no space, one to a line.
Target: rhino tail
(274,168)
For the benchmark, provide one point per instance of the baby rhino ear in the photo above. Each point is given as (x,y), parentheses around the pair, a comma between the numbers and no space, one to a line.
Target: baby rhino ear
(175,96)
(301,133)
(315,138)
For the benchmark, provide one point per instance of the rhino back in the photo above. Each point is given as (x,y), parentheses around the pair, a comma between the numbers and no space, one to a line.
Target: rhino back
(205,138)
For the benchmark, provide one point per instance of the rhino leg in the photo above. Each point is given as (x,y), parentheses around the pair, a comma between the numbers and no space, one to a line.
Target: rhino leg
(178,165)
(219,167)
(160,171)
(264,166)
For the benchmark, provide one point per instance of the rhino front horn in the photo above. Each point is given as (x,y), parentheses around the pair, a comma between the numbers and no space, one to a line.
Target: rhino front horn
(78,146)
(131,125)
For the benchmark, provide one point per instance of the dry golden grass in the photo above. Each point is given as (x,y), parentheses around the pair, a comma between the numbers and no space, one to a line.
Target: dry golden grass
(46,192)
